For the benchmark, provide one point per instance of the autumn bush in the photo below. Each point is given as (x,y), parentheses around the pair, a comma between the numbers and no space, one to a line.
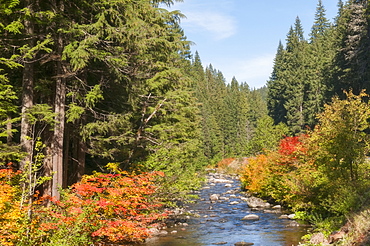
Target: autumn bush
(255,174)
(321,174)
(11,212)
(271,174)
(116,208)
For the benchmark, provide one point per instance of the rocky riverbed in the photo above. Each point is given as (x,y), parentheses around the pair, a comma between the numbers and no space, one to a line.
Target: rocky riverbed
(224,215)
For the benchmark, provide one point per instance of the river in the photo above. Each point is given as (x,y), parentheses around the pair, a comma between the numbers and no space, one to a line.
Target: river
(220,222)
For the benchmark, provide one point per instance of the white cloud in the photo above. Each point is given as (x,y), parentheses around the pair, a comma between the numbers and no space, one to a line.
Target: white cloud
(255,71)
(219,25)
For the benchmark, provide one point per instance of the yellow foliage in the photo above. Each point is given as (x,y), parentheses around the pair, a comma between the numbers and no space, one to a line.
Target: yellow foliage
(10,210)
(256,173)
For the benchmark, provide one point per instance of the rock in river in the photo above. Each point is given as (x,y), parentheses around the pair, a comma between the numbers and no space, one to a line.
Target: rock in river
(251,217)
(243,244)
(255,202)
(214,197)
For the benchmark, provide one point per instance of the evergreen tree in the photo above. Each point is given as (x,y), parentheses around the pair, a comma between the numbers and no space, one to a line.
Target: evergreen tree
(277,88)
(286,85)
(295,77)
(235,120)
(267,135)
(320,53)
(350,69)
(210,93)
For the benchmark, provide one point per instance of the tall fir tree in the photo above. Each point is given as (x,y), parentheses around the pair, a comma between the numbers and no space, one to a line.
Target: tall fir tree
(320,53)
(286,85)
(350,69)
(295,77)
(277,88)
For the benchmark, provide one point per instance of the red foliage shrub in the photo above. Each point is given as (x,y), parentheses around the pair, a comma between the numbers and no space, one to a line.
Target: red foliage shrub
(111,207)
(291,145)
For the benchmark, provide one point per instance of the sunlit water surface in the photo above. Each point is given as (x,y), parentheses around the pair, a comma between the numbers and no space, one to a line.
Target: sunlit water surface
(220,224)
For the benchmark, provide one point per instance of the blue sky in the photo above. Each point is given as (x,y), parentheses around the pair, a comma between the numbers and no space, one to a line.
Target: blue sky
(240,37)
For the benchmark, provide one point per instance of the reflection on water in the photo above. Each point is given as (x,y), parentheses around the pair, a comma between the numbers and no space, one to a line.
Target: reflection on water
(221,223)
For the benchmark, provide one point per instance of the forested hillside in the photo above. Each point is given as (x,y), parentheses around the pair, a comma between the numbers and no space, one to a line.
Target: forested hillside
(94,82)
(309,72)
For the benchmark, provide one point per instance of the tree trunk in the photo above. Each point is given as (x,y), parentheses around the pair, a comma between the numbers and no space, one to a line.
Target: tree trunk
(27,98)
(57,143)
(9,134)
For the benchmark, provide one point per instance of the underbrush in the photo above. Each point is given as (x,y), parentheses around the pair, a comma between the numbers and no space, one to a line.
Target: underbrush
(294,177)
(358,227)
(104,207)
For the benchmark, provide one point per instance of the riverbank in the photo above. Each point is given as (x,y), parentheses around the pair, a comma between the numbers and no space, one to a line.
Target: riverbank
(225,215)
(355,232)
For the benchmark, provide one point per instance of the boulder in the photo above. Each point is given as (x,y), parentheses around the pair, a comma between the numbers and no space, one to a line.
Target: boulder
(251,217)
(222,181)
(318,239)
(163,233)
(255,202)
(220,243)
(291,216)
(243,244)
(293,224)
(271,211)
(234,203)
(214,197)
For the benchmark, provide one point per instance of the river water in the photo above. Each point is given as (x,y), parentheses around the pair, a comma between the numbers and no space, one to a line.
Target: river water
(220,223)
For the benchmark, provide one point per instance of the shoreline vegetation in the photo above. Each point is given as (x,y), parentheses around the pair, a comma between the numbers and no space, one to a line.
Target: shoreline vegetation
(350,229)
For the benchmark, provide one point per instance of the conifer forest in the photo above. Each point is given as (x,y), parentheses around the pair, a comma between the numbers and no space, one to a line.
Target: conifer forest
(107,118)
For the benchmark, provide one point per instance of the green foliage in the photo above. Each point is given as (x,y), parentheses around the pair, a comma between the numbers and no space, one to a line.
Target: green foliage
(267,135)
(93,96)
(74,112)
(228,119)
(178,143)
(298,87)
(323,174)
(341,137)
(41,113)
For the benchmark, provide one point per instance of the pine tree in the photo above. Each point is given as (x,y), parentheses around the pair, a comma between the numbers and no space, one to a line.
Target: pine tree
(295,77)
(210,93)
(277,88)
(9,115)
(107,68)
(320,53)
(286,85)
(236,125)
(350,68)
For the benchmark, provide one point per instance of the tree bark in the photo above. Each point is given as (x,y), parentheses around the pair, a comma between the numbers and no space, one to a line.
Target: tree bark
(9,134)
(59,109)
(27,98)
